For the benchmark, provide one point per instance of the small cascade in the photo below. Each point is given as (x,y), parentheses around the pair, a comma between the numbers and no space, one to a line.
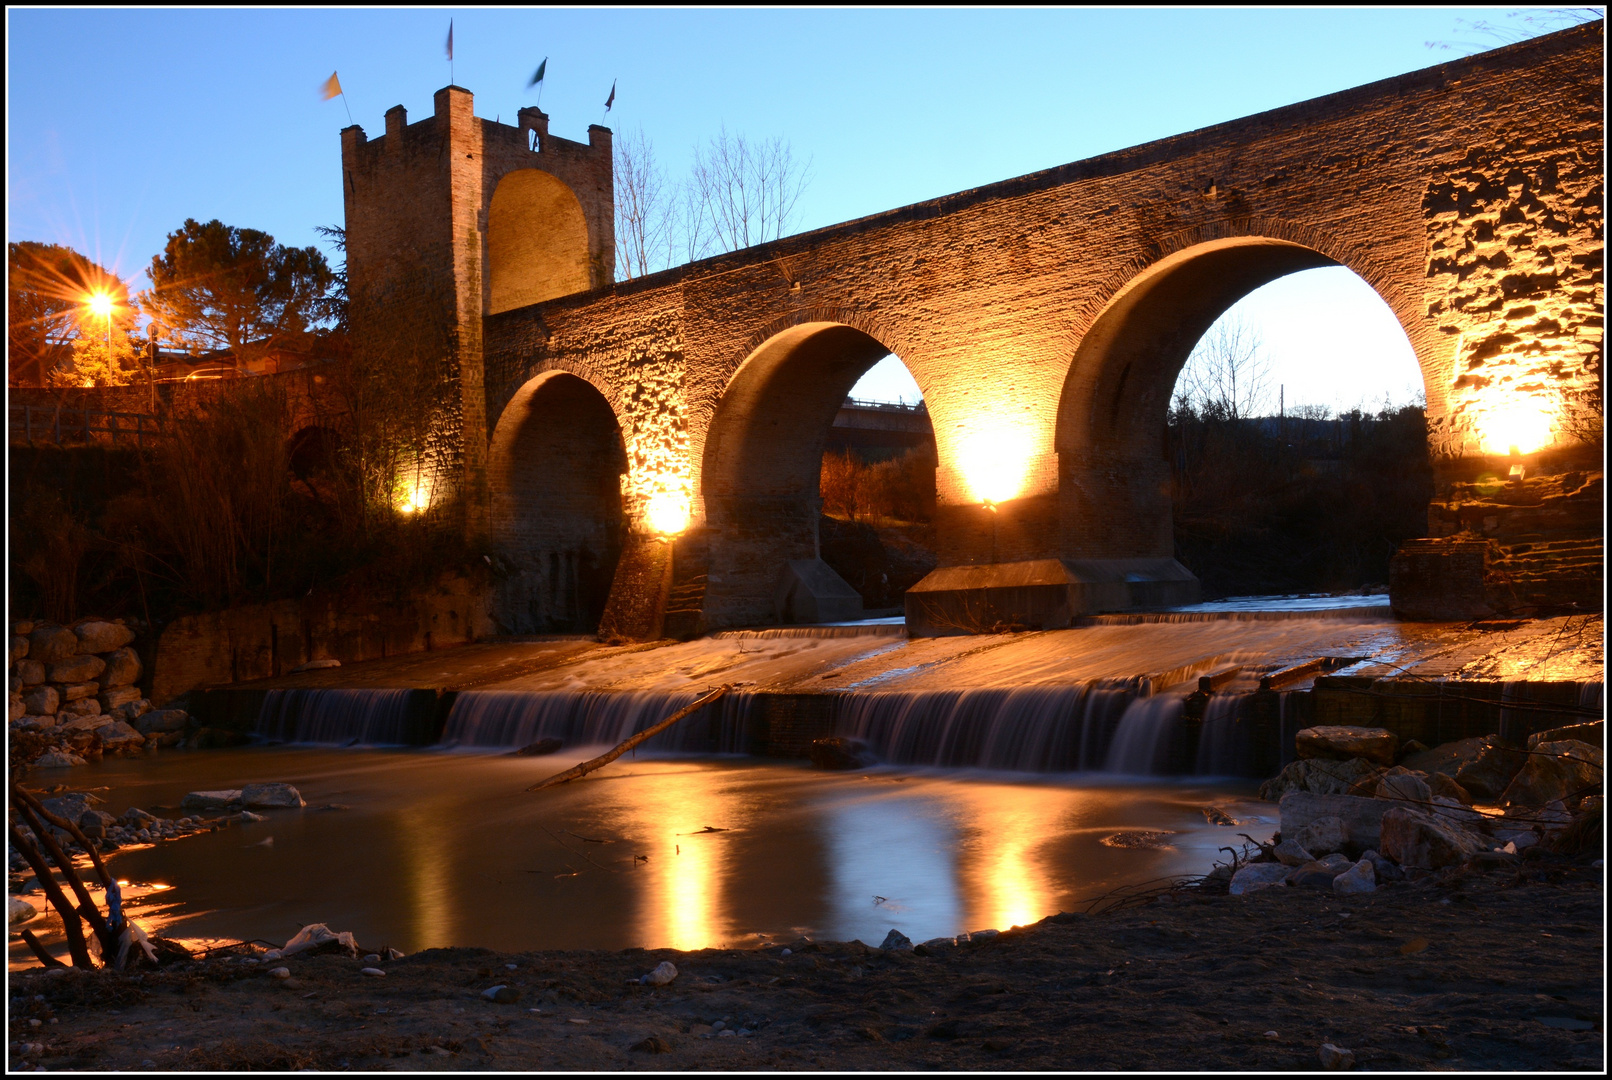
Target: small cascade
(1144,736)
(1223,748)
(341,717)
(891,628)
(1029,728)
(502,718)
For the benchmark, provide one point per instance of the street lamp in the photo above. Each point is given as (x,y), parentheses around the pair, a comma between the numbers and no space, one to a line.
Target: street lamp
(101,304)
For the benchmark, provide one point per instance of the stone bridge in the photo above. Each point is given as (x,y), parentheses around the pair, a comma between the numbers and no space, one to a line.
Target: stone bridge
(648,451)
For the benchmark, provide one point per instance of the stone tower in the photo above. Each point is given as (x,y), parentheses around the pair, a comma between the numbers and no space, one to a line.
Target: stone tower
(453,218)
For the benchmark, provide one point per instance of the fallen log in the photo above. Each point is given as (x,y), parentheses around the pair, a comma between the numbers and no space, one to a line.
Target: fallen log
(643,736)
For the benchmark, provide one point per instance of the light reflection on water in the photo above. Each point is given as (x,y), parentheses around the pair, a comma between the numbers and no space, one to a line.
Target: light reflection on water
(437,848)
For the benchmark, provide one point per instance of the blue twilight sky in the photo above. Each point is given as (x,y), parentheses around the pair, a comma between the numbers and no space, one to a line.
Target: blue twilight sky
(122,123)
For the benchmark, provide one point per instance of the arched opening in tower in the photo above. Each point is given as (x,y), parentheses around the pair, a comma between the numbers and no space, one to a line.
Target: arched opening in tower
(556,513)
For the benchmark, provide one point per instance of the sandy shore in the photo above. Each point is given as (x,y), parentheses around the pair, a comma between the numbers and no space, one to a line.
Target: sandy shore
(1470,969)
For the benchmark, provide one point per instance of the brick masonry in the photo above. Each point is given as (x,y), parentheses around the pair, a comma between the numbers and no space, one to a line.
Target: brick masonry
(1045,317)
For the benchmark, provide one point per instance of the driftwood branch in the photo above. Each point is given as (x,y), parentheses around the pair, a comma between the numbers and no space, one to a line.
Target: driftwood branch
(643,736)
(39,950)
(58,899)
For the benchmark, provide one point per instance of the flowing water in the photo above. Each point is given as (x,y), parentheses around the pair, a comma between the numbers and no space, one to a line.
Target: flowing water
(430,847)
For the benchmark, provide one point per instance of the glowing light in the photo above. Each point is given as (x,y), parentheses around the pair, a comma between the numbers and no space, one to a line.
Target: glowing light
(994,463)
(1518,425)
(667,513)
(101,304)
(416,498)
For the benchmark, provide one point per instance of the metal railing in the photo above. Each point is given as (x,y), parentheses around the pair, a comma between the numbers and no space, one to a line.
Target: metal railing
(884,406)
(58,425)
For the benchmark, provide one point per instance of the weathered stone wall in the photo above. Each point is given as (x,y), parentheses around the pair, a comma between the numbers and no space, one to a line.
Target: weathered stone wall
(263,640)
(1046,318)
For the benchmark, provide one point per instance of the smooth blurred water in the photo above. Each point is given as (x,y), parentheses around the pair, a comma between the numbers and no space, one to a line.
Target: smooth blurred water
(435,848)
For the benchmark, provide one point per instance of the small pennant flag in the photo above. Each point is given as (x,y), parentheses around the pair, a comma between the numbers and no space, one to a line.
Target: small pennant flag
(609,101)
(541,68)
(450,39)
(332,87)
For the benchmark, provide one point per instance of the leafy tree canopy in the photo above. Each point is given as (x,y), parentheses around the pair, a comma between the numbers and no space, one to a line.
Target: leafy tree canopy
(219,287)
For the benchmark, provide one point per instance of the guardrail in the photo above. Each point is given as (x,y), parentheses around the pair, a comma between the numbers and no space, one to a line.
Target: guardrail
(58,425)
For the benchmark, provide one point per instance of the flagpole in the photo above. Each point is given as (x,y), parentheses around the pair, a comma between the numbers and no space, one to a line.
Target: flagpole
(347,107)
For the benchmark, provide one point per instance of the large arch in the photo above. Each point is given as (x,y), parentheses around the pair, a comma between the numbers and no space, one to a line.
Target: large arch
(537,241)
(761,464)
(1114,479)
(555,472)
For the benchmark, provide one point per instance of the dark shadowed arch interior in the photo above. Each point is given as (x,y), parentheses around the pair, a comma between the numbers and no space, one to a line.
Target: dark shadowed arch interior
(763,458)
(1114,478)
(557,517)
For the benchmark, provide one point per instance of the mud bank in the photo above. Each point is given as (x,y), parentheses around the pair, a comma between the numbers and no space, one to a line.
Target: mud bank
(1468,969)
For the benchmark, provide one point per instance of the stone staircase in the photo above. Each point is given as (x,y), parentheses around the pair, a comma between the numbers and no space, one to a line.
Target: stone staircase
(1555,574)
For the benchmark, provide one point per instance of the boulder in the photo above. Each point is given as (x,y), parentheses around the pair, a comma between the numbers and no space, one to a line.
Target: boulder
(31,672)
(896,941)
(120,733)
(269,796)
(49,643)
(122,668)
(19,911)
(1315,875)
(56,759)
(101,637)
(1386,870)
(96,819)
(1403,785)
(136,818)
(1412,838)
(1484,765)
(1593,733)
(162,720)
(211,800)
(75,669)
(1292,853)
(19,647)
(17,708)
(1409,747)
(82,707)
(1445,785)
(1316,776)
(1443,806)
(664,973)
(1340,743)
(1359,878)
(35,723)
(1556,770)
(76,691)
(1519,839)
(132,710)
(87,722)
(1257,876)
(68,807)
(116,697)
(1362,818)
(42,700)
(839,752)
(1322,836)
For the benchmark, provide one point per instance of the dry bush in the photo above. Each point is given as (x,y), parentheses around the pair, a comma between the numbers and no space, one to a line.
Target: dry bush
(897,489)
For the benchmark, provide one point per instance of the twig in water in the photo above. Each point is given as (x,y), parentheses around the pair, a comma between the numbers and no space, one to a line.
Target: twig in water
(707,829)
(574,851)
(587,839)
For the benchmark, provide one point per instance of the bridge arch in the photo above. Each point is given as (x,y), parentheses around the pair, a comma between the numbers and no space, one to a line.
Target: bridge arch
(555,469)
(762,460)
(537,241)
(1134,339)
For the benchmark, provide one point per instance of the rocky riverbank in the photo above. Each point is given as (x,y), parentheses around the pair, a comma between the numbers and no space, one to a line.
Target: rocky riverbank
(1473,967)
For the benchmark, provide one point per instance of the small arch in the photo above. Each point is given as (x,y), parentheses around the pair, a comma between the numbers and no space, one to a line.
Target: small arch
(537,241)
(312,450)
(555,472)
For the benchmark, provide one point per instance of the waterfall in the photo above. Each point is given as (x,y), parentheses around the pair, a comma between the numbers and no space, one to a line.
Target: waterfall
(1223,748)
(511,718)
(1028,728)
(377,717)
(1142,740)
(832,630)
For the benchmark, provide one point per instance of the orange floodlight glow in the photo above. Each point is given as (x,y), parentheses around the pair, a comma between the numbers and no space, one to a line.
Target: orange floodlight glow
(666,513)
(101,304)
(994,462)
(1519,425)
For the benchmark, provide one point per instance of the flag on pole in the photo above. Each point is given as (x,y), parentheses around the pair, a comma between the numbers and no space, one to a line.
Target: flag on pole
(541,68)
(450,39)
(332,87)
(611,100)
